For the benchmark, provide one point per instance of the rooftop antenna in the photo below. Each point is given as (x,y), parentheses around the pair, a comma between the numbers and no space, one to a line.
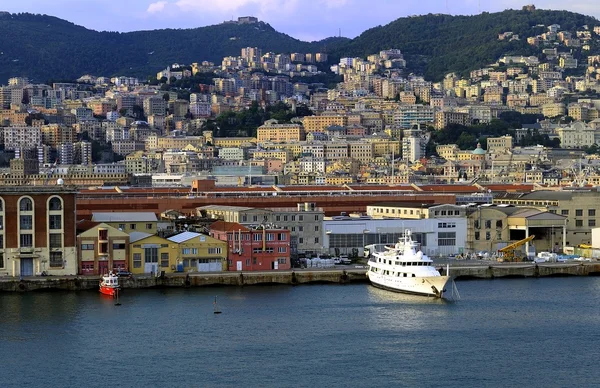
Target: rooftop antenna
(340,33)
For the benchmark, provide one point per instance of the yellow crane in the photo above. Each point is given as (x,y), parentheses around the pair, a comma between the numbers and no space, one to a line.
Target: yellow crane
(509,250)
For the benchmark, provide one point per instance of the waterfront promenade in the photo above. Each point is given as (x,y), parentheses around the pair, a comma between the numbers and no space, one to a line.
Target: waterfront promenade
(338,275)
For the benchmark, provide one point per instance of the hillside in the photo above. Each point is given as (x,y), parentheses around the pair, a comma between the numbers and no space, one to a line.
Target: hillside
(437,44)
(44,47)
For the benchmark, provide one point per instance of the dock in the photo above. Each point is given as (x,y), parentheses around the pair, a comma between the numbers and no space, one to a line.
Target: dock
(348,275)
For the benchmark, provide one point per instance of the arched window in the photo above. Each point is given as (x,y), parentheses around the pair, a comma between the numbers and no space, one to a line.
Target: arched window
(55,204)
(25,205)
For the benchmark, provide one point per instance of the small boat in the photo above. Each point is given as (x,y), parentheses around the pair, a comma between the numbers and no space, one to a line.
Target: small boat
(109,285)
(403,269)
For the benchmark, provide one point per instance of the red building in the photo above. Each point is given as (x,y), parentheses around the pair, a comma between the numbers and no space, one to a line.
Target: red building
(253,249)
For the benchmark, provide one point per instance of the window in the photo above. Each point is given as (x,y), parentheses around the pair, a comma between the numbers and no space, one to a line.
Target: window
(121,226)
(164,259)
(282,260)
(1,222)
(293,218)
(488,224)
(476,224)
(56,259)
(132,226)
(214,251)
(316,228)
(257,237)
(118,246)
(26,240)
(277,218)
(579,213)
(1,259)
(578,222)
(151,255)
(300,218)
(301,229)
(137,260)
(281,237)
(55,240)
(316,240)
(25,205)
(499,224)
(55,221)
(255,218)
(87,247)
(26,222)
(248,262)
(316,217)
(300,240)
(591,212)
(55,204)
(446,239)
(488,236)
(564,212)
(592,222)
(103,248)
(148,226)
(102,234)
(282,250)
(498,235)
(270,236)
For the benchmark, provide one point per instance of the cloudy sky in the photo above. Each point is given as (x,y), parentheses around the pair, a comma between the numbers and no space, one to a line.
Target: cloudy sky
(303,19)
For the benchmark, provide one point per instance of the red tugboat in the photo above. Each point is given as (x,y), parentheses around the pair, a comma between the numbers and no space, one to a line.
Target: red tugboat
(109,284)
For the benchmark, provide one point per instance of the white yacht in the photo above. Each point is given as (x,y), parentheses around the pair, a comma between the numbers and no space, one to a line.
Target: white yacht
(403,269)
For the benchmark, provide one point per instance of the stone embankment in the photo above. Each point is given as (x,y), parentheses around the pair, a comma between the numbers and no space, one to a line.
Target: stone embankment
(463,271)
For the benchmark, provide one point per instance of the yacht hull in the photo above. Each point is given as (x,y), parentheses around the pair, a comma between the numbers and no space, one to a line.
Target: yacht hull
(427,286)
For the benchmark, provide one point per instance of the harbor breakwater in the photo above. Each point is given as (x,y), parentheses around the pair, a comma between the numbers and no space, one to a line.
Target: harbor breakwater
(297,277)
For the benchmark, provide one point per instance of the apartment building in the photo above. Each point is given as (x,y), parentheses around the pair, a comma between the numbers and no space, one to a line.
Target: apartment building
(320,123)
(272,131)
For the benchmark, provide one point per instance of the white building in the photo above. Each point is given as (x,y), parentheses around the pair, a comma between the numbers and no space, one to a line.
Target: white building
(440,236)
(22,137)
(231,153)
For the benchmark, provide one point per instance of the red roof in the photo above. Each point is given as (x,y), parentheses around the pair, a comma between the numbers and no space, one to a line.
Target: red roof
(228,226)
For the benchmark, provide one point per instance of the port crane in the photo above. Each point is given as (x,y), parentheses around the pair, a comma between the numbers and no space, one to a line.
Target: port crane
(509,250)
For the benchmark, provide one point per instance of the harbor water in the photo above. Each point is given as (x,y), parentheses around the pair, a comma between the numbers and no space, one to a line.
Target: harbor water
(517,332)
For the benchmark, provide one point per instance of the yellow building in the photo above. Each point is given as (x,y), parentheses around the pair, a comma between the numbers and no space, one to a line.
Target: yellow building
(338,180)
(320,123)
(499,144)
(283,155)
(200,253)
(150,253)
(101,249)
(410,210)
(128,221)
(272,131)
(233,141)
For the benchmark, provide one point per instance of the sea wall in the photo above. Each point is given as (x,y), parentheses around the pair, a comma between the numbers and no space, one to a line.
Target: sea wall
(334,276)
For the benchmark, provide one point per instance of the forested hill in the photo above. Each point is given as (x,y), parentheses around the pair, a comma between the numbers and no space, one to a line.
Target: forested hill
(437,44)
(44,47)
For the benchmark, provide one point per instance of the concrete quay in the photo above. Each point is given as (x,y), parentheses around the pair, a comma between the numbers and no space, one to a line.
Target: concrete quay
(460,271)
(182,280)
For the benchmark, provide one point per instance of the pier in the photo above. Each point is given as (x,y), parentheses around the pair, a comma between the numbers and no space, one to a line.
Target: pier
(350,274)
